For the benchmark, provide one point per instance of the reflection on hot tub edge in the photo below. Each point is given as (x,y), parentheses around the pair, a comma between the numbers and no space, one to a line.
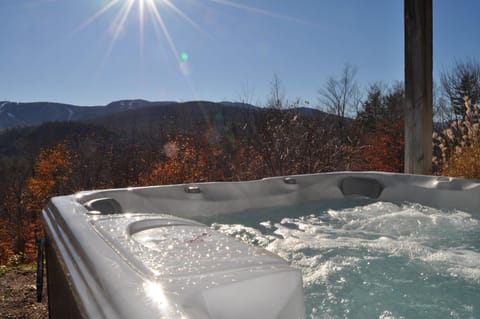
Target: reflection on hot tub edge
(136,253)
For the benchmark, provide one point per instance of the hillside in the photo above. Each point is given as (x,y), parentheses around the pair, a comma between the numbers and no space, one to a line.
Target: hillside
(13,114)
(27,114)
(141,123)
(179,117)
(27,141)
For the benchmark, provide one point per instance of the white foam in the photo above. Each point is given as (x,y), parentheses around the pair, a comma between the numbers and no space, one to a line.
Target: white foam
(411,231)
(333,247)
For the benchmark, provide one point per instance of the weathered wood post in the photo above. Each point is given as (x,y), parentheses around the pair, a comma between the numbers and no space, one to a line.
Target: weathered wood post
(418,86)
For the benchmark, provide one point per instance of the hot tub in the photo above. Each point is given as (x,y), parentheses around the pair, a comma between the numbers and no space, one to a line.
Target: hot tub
(142,252)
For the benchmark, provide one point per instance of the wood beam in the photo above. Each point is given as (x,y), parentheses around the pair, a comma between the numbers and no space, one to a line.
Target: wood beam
(418,86)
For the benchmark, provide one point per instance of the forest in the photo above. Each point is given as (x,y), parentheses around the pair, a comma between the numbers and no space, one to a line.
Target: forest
(204,141)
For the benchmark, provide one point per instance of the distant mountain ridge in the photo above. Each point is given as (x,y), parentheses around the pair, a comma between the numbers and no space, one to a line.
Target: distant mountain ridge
(15,114)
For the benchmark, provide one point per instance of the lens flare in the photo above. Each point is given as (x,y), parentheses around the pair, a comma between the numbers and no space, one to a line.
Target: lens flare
(124,10)
(153,10)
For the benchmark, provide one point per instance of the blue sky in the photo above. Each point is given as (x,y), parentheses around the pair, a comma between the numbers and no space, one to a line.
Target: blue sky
(49,51)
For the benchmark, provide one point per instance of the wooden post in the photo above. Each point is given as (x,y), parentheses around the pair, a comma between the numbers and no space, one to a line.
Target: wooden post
(418,86)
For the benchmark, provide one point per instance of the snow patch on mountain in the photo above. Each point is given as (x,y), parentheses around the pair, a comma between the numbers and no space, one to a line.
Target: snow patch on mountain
(2,106)
(70,113)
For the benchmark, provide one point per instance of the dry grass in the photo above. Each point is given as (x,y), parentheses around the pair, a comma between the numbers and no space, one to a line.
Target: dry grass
(457,148)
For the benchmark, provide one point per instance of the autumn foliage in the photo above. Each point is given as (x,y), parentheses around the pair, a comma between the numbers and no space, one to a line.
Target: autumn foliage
(384,149)
(202,141)
(20,223)
(277,142)
(201,159)
(274,142)
(380,131)
(53,169)
(186,161)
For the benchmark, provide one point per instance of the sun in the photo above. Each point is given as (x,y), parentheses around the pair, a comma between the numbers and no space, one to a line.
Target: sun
(152,10)
(124,9)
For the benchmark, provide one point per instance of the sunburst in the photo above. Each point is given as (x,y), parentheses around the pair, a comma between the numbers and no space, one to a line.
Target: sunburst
(125,7)
(154,9)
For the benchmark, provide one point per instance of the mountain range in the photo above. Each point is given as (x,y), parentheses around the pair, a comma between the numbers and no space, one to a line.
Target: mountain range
(14,114)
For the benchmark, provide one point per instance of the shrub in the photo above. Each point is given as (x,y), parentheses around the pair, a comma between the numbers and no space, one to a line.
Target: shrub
(465,163)
(457,148)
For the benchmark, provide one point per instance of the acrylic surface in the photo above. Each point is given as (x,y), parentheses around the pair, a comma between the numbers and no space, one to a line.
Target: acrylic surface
(144,252)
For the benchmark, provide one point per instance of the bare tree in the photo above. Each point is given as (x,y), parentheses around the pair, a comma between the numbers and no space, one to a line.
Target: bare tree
(277,99)
(463,81)
(442,111)
(247,93)
(341,96)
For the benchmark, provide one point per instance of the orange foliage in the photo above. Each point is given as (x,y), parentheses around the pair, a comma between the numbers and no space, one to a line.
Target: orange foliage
(23,201)
(246,164)
(199,159)
(6,246)
(384,149)
(188,160)
(52,172)
(15,221)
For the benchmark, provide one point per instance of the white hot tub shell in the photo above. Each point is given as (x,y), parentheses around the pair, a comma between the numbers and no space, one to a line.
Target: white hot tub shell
(138,253)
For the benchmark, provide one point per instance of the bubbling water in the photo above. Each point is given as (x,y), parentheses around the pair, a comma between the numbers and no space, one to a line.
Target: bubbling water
(374,260)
